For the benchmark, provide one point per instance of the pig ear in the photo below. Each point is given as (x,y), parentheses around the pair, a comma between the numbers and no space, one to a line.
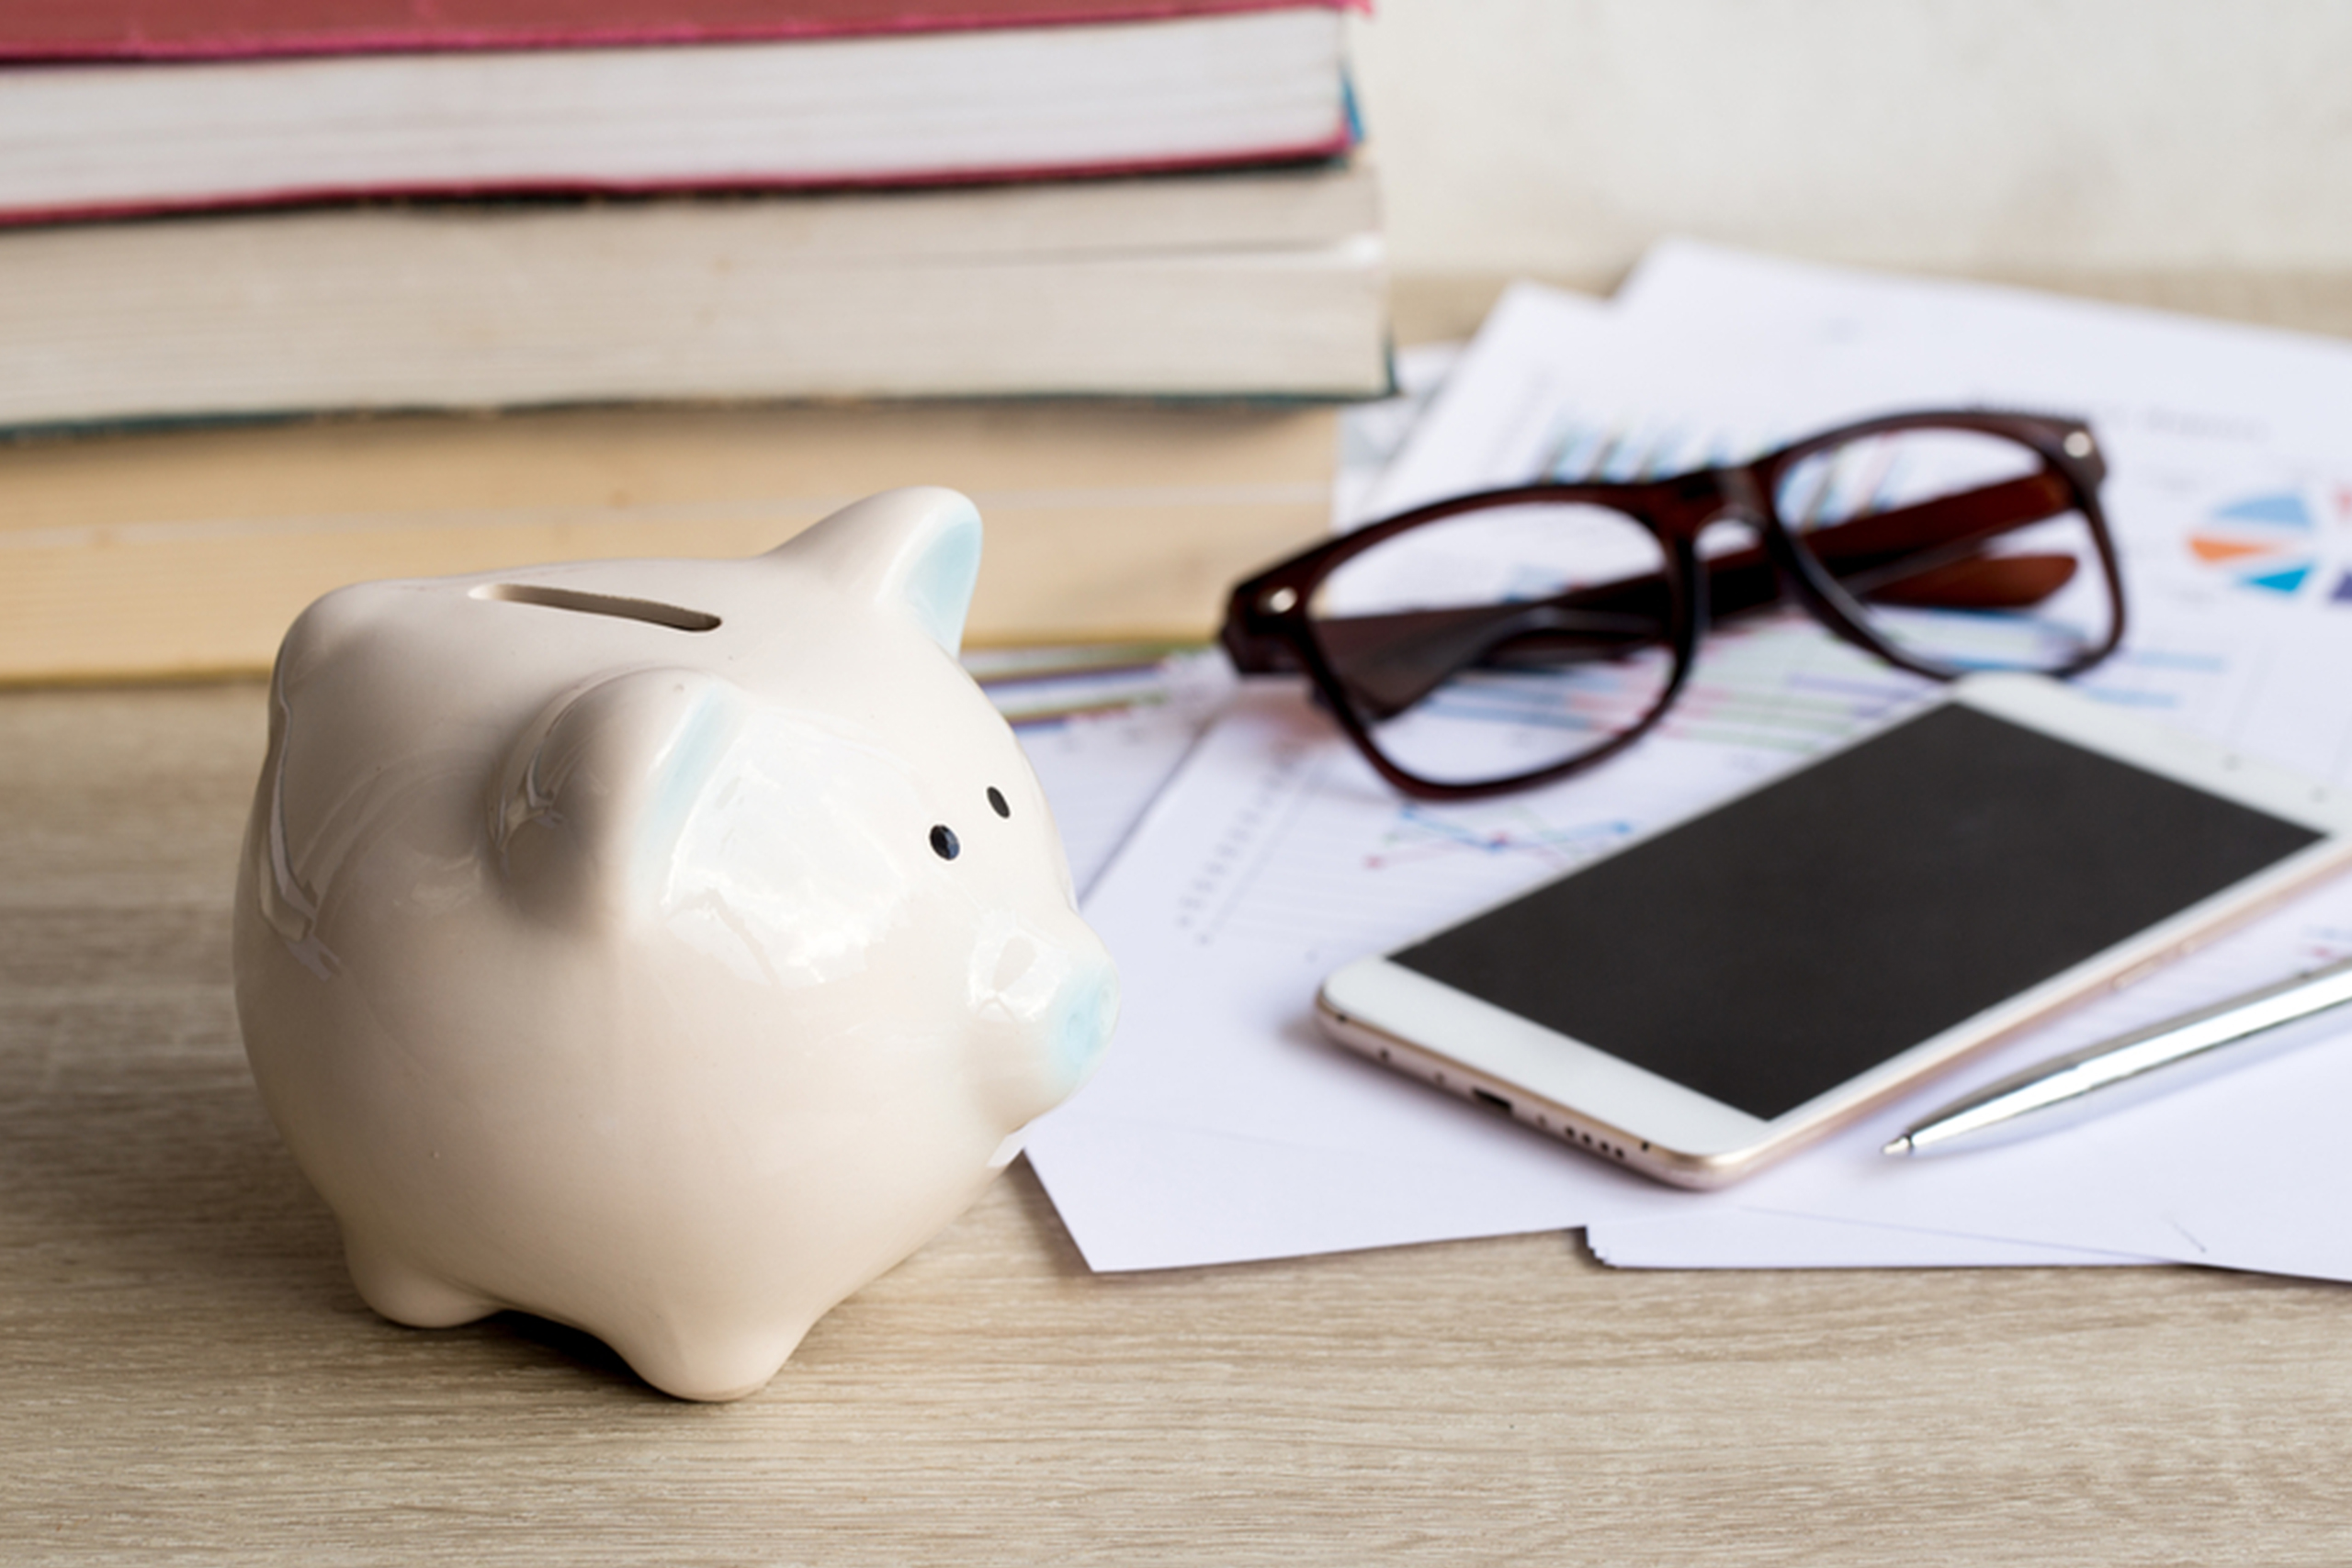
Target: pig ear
(587,808)
(917,550)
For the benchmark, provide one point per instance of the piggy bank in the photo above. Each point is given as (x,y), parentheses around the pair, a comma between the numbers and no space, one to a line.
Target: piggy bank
(664,947)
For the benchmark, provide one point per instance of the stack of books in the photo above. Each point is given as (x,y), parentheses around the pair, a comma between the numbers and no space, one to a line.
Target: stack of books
(238,208)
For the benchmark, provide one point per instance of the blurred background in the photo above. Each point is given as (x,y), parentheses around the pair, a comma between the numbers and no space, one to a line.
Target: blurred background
(2116,144)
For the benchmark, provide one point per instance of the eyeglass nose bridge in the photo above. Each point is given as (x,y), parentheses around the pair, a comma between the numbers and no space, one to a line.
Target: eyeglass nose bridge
(1758,571)
(1695,502)
(1730,495)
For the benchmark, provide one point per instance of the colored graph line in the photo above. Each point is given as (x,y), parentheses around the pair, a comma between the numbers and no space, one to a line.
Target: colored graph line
(1420,835)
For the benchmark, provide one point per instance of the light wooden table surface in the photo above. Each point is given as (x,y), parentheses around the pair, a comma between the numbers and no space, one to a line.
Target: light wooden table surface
(187,1375)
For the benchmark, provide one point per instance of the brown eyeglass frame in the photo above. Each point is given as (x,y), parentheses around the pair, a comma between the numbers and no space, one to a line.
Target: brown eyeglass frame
(1268,630)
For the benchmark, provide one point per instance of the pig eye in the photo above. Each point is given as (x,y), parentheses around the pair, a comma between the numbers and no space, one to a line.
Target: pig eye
(943,842)
(997,801)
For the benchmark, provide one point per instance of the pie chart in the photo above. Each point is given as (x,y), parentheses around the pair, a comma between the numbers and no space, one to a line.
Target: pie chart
(2267,543)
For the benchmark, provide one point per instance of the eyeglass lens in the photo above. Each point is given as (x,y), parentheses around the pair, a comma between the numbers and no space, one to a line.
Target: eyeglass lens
(1959,549)
(1501,642)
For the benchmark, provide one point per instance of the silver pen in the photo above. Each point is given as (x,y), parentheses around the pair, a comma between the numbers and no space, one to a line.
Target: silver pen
(2041,1096)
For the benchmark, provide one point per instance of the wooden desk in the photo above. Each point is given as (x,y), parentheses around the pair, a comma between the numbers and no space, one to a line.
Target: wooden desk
(186,1374)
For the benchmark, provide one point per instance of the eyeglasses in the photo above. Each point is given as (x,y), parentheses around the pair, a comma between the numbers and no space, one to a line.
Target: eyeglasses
(1492,641)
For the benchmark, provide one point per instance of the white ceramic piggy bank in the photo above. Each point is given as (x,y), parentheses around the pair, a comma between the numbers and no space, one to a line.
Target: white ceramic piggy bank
(666,948)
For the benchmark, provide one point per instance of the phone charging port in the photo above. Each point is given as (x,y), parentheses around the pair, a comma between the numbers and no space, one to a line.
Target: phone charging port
(1496,1101)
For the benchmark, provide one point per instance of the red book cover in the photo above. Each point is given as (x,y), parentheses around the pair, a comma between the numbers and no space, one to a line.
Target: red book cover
(122,30)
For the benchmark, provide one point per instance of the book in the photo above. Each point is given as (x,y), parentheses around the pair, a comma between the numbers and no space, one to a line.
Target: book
(210,30)
(186,552)
(1257,283)
(143,105)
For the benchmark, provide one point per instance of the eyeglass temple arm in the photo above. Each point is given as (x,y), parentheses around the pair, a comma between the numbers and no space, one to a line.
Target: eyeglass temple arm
(1738,581)
(1950,527)
(1391,661)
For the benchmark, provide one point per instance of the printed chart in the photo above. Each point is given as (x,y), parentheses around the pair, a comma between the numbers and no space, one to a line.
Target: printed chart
(2277,542)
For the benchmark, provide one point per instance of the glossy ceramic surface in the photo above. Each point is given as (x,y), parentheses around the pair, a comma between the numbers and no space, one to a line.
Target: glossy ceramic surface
(666,948)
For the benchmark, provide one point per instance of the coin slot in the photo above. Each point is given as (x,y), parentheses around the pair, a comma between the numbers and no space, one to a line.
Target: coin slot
(677,617)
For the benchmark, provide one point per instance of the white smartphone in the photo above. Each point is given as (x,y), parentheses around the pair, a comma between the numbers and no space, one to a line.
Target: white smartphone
(1714,995)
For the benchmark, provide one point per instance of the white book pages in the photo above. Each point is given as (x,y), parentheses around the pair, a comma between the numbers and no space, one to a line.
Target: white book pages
(932,105)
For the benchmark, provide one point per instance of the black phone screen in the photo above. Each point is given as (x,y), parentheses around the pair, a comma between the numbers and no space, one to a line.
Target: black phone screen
(1767,951)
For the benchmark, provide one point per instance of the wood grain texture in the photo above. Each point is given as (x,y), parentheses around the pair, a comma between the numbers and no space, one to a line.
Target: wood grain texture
(167,554)
(187,1375)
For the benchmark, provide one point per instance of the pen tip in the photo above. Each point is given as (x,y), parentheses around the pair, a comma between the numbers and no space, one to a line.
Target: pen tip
(1901,1146)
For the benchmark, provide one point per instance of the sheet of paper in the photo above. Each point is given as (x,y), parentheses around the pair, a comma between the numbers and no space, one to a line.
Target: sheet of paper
(1274,853)
(1276,856)
(1729,1237)
(2234,540)
(2156,384)
(2228,1169)
(2229,447)
(2218,501)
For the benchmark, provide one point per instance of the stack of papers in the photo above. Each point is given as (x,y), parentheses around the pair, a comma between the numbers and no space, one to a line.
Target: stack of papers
(1223,1127)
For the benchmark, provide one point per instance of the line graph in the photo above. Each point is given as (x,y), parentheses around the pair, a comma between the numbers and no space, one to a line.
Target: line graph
(1420,833)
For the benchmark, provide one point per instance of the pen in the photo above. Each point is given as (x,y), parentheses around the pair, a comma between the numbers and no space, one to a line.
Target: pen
(2030,1102)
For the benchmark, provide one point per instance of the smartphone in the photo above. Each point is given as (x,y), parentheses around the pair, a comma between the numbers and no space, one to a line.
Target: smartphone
(1713,996)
